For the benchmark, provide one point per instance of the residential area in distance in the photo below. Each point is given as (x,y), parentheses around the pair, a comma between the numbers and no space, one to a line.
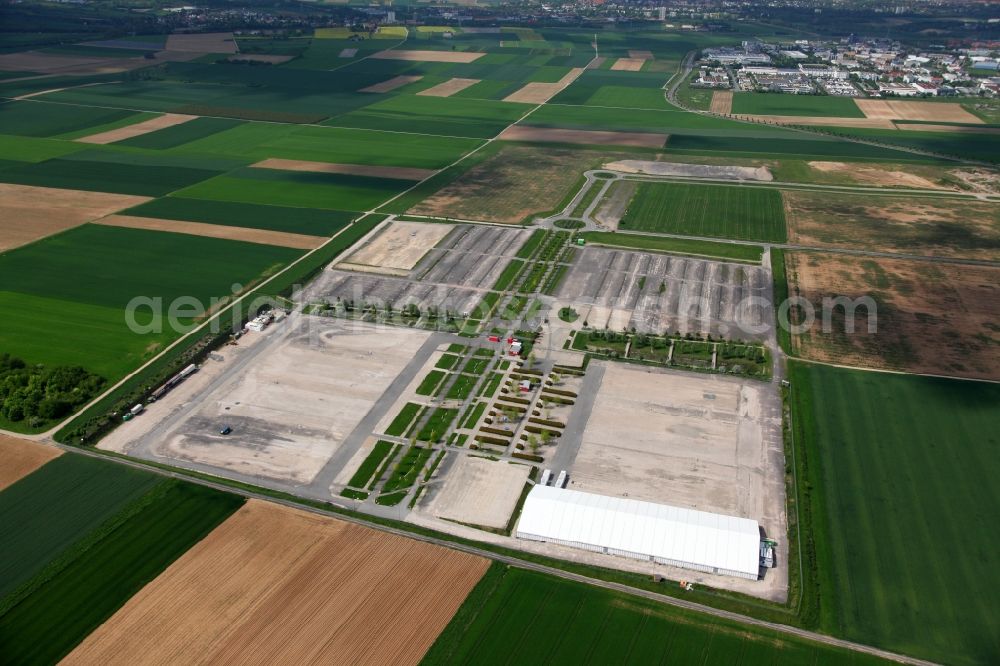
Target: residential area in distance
(493,332)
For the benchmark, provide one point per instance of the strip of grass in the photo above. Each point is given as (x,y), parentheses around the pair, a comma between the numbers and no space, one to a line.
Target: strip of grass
(391,499)
(354,494)
(490,386)
(780,280)
(404,474)
(462,387)
(694,248)
(777,104)
(431,382)
(509,273)
(370,464)
(403,419)
(477,365)
(437,424)
(531,245)
(49,623)
(447,362)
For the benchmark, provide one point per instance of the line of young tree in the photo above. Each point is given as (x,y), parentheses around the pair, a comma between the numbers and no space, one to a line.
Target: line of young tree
(38,393)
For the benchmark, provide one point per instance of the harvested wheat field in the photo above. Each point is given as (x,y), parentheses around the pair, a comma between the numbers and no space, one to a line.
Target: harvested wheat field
(400,173)
(137,129)
(512,185)
(887,175)
(540,93)
(824,121)
(628,64)
(206,42)
(397,248)
(428,56)
(931,318)
(722,102)
(28,213)
(260,236)
(391,84)
(275,585)
(945,112)
(956,228)
(449,87)
(19,458)
(583,137)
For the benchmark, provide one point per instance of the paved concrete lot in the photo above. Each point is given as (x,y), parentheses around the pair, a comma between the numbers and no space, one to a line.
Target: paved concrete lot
(396,249)
(478,491)
(622,289)
(291,407)
(381,290)
(471,256)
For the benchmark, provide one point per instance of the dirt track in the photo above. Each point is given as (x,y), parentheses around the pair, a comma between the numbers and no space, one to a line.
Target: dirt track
(901,110)
(28,213)
(261,236)
(19,458)
(402,173)
(449,87)
(592,137)
(391,84)
(428,56)
(722,102)
(137,129)
(274,585)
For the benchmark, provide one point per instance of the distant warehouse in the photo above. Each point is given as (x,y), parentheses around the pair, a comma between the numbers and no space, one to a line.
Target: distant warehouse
(645,531)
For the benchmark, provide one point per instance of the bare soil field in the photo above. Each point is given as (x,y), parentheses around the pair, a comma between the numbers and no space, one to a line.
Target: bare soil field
(931,318)
(28,213)
(261,57)
(137,129)
(309,385)
(391,84)
(275,585)
(401,173)
(722,102)
(824,121)
(901,110)
(961,129)
(888,175)
(761,173)
(428,56)
(628,64)
(47,63)
(640,55)
(448,88)
(397,248)
(19,458)
(478,491)
(261,236)
(205,42)
(512,185)
(584,137)
(540,93)
(933,227)
(348,53)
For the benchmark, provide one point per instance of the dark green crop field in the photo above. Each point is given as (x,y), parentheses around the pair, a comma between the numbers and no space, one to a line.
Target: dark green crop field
(902,472)
(769,104)
(69,603)
(178,135)
(515,616)
(99,176)
(41,119)
(315,222)
(435,115)
(721,211)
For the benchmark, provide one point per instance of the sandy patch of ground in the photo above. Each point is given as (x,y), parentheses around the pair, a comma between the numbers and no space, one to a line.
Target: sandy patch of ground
(979,180)
(823,121)
(628,64)
(876,175)
(261,236)
(397,248)
(449,87)
(931,318)
(308,387)
(722,102)
(540,93)
(945,112)
(19,458)
(962,129)
(511,186)
(593,137)
(205,42)
(428,56)
(478,491)
(401,173)
(761,173)
(137,129)
(275,585)
(934,227)
(28,213)
(391,84)
(261,57)
(640,55)
(348,53)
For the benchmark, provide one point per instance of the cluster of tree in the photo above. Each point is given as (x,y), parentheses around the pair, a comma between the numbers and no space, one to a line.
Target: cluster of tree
(38,393)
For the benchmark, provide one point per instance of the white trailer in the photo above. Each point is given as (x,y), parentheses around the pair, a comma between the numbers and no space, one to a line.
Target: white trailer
(561,479)
(546,477)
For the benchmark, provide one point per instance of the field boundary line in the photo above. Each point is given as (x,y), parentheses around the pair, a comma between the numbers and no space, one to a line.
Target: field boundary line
(890,371)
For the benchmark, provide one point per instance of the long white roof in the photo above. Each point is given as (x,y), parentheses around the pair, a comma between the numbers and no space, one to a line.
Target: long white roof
(644,528)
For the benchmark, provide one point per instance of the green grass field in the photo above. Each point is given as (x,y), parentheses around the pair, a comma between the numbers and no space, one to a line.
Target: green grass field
(435,115)
(98,176)
(515,616)
(315,222)
(721,211)
(777,104)
(901,477)
(41,119)
(178,135)
(682,246)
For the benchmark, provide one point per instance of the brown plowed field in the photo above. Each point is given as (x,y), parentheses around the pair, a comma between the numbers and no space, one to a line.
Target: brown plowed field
(205,42)
(628,64)
(640,55)
(137,129)
(19,458)
(539,93)
(428,56)
(275,585)
(963,129)
(722,102)
(448,88)
(823,121)
(261,236)
(402,173)
(391,84)
(28,213)
(932,318)
(583,137)
(945,112)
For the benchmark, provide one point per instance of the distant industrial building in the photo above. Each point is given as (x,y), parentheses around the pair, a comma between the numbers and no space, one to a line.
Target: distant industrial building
(644,531)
